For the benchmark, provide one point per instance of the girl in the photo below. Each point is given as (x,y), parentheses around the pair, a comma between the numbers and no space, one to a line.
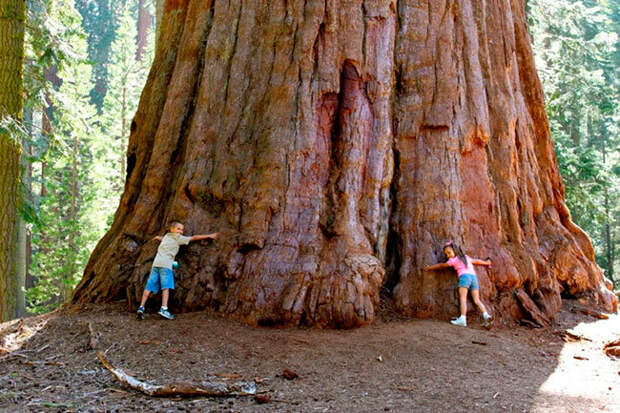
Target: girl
(464,267)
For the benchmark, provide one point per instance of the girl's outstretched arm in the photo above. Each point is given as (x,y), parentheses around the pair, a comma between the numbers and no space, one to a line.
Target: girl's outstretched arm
(439,266)
(476,261)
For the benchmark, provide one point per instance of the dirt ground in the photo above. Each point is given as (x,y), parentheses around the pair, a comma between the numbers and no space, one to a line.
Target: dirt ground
(393,365)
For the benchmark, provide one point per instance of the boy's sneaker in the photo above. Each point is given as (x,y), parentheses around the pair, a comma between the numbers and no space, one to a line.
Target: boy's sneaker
(165,313)
(461,321)
(140,313)
(488,319)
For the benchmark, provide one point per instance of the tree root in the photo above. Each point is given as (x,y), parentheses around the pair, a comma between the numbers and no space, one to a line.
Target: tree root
(217,389)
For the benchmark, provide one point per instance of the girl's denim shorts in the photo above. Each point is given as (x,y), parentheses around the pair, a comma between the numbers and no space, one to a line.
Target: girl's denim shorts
(468,280)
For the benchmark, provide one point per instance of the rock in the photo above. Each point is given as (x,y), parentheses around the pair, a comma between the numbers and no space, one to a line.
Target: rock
(289,374)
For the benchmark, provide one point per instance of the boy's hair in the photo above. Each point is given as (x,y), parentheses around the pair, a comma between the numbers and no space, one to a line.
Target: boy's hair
(174,223)
(457,250)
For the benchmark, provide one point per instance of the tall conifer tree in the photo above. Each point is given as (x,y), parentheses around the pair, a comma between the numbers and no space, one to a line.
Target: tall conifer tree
(12,22)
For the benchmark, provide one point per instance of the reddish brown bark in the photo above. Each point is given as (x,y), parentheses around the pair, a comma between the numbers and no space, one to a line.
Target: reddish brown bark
(335,146)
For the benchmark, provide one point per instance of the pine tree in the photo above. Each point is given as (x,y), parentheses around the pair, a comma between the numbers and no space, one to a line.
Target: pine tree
(576,46)
(100,21)
(12,23)
(66,213)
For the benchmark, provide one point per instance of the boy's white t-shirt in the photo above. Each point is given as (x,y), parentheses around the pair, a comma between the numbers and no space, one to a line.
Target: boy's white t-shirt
(168,249)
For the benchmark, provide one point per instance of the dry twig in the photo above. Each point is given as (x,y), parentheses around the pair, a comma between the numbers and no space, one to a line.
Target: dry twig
(591,313)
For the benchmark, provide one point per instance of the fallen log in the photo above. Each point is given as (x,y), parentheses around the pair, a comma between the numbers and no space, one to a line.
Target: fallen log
(218,389)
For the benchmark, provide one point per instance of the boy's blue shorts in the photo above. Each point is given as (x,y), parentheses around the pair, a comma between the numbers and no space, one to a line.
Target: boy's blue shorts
(468,280)
(160,278)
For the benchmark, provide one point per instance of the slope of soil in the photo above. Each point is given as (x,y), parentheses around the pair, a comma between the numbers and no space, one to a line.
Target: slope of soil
(391,365)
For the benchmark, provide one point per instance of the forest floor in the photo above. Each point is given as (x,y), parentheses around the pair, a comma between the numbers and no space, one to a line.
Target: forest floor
(392,365)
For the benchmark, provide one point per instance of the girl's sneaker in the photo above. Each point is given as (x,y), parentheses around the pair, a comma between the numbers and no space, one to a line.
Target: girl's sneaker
(165,313)
(488,319)
(140,313)
(461,321)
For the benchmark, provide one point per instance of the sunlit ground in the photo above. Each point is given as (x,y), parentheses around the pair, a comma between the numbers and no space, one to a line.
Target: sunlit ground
(20,332)
(584,372)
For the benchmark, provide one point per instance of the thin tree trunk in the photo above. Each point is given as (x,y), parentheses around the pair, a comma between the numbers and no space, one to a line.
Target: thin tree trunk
(30,198)
(12,18)
(22,260)
(123,136)
(159,14)
(324,138)
(609,245)
(73,221)
(144,27)
(23,235)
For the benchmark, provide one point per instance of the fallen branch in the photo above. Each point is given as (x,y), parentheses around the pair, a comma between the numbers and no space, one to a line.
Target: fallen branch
(589,312)
(12,355)
(218,389)
(568,336)
(44,363)
(612,349)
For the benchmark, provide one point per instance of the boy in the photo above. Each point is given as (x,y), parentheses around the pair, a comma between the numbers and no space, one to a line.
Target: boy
(161,275)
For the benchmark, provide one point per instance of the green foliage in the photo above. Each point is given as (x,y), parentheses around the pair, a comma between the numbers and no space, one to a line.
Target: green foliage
(100,21)
(77,157)
(126,81)
(577,56)
(65,237)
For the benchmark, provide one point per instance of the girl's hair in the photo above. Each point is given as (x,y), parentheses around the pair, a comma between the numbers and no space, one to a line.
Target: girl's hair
(457,250)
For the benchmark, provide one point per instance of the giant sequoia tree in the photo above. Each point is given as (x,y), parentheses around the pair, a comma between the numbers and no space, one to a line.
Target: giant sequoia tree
(336,145)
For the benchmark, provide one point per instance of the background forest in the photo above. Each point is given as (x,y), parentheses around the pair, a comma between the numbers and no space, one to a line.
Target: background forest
(86,64)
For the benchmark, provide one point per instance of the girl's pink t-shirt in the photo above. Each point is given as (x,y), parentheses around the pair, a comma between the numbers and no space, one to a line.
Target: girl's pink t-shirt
(460,267)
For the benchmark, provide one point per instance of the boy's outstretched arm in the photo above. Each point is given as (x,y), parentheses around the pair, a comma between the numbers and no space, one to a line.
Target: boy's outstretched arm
(439,266)
(158,238)
(201,237)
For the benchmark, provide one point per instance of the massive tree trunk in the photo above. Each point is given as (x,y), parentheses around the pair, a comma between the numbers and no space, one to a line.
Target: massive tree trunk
(336,145)
(12,17)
